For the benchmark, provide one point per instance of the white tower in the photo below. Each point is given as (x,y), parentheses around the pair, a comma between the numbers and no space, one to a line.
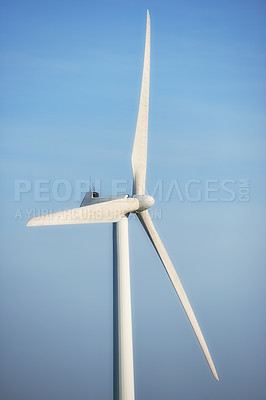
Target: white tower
(123,346)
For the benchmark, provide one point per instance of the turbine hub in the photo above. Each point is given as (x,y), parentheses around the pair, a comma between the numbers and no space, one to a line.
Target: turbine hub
(144,200)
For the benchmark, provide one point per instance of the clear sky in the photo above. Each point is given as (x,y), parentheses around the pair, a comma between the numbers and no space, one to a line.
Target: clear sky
(70,84)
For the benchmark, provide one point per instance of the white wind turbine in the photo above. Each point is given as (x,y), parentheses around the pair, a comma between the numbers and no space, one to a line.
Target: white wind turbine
(116,209)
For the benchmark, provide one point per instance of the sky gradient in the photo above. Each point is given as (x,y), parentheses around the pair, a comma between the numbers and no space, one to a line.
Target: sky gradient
(70,82)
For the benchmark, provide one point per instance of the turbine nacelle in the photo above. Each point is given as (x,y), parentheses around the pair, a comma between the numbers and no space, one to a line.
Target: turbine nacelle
(145,201)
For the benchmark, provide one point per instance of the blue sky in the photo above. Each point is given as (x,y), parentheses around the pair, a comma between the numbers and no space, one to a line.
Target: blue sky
(70,82)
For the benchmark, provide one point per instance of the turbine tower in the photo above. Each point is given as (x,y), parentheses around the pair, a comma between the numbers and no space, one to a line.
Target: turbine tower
(116,209)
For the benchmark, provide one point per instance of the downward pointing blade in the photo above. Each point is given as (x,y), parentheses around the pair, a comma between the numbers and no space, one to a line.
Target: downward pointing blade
(139,154)
(146,221)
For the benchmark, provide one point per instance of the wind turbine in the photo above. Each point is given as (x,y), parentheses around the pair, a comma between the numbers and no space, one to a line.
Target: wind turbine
(116,209)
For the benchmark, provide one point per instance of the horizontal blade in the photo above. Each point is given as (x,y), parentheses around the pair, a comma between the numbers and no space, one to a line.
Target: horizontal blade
(110,211)
(146,221)
(139,153)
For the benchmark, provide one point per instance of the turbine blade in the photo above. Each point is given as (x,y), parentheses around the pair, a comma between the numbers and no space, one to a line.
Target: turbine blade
(139,153)
(109,211)
(146,221)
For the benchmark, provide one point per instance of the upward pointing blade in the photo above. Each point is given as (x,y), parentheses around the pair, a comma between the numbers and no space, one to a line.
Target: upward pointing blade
(139,154)
(146,221)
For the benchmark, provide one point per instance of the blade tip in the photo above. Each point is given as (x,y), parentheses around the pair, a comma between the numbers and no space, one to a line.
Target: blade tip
(215,375)
(33,221)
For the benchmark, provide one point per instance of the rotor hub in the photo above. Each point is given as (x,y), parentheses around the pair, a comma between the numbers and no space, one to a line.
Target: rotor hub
(145,201)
